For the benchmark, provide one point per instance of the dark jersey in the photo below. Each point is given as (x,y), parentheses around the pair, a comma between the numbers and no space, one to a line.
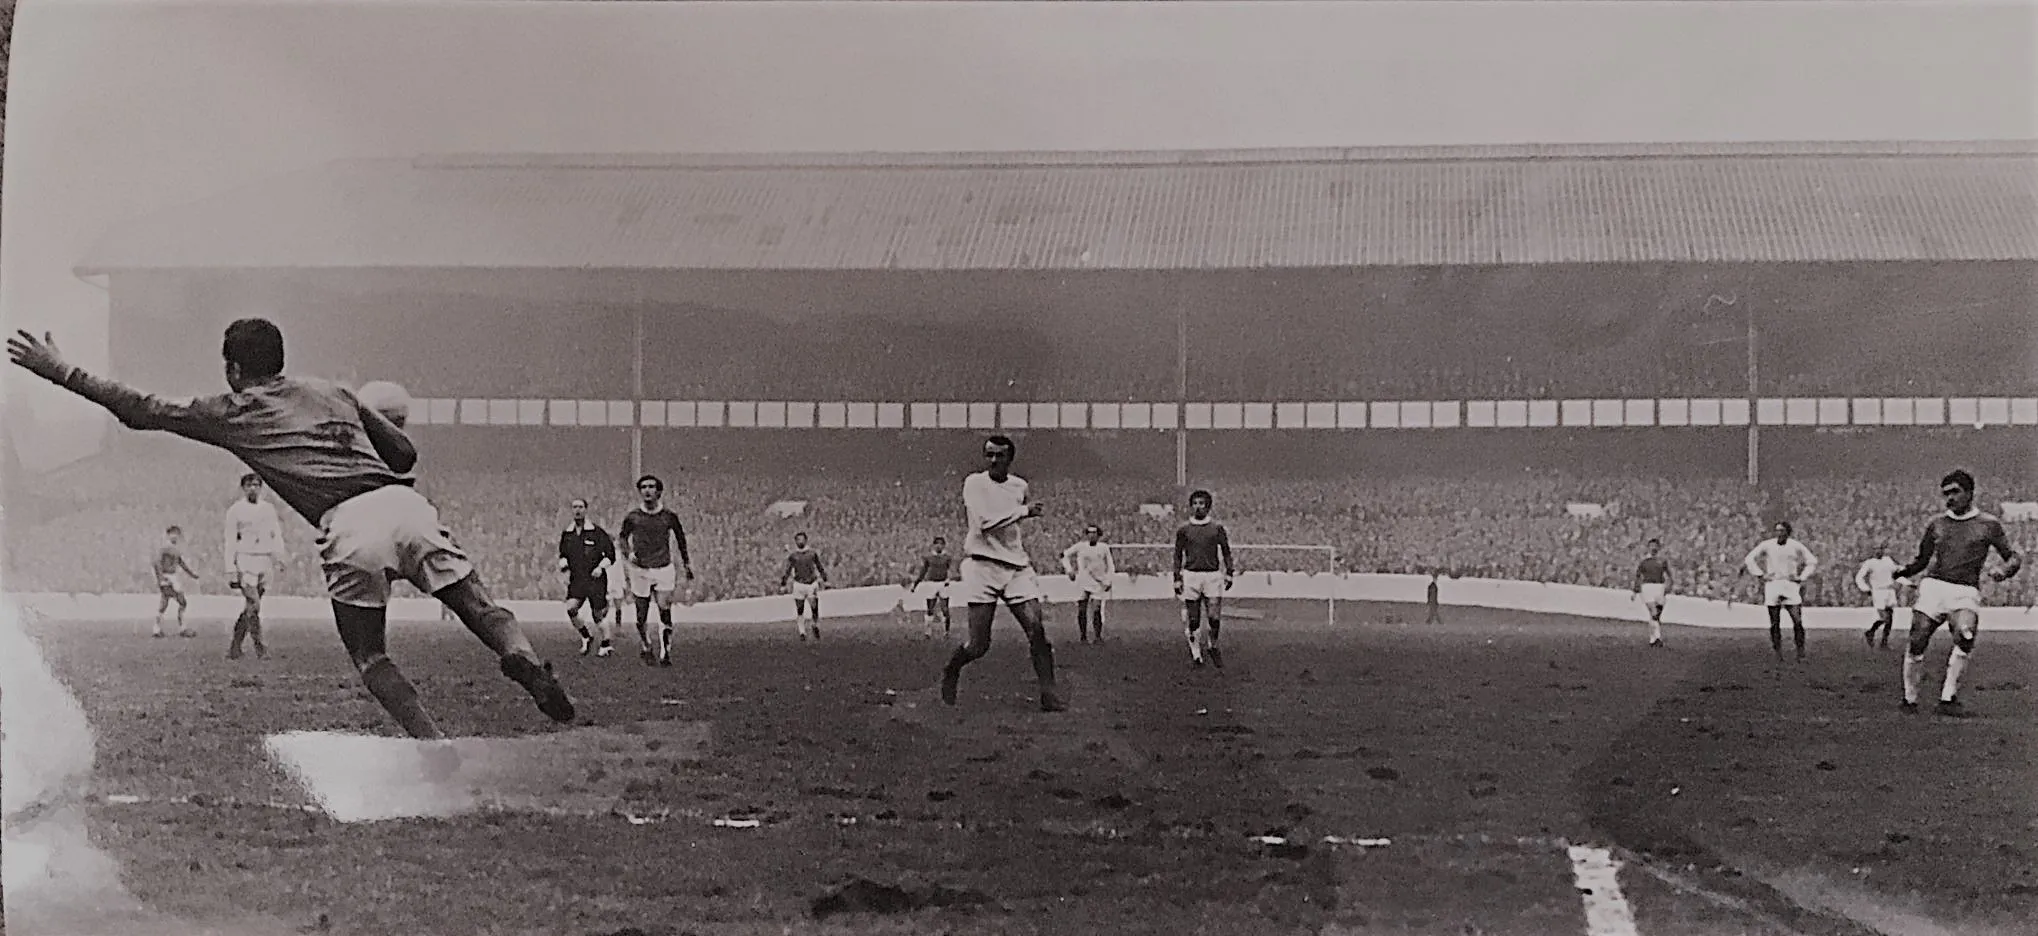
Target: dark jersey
(170,559)
(302,436)
(650,536)
(1955,550)
(804,566)
(1653,571)
(934,567)
(584,549)
(1202,547)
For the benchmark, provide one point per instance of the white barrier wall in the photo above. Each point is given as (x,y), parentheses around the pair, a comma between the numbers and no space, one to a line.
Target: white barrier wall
(1534,597)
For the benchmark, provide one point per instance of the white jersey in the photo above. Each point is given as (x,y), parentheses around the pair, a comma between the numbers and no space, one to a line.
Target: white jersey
(1088,562)
(253,529)
(990,503)
(1877,574)
(1781,562)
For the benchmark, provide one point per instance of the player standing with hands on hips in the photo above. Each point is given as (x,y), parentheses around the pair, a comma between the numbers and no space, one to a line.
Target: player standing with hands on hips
(1783,566)
(346,468)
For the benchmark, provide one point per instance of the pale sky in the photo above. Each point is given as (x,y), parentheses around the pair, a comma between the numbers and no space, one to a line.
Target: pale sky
(123,107)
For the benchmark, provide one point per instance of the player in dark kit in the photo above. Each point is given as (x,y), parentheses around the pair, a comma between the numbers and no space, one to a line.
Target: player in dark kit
(648,533)
(806,574)
(346,468)
(1951,556)
(169,562)
(931,583)
(586,554)
(1652,585)
(1203,573)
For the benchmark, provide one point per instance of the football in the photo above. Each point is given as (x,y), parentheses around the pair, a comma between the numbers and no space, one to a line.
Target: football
(387,398)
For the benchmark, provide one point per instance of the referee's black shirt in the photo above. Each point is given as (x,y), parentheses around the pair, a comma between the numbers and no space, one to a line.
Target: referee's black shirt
(584,548)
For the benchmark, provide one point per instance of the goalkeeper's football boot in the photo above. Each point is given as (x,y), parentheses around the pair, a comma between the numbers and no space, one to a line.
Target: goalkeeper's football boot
(537,679)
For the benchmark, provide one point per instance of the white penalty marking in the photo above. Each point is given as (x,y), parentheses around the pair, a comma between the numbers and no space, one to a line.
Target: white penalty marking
(1597,873)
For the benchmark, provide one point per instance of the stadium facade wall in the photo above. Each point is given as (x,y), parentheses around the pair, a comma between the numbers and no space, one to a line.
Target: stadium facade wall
(1530,597)
(1400,333)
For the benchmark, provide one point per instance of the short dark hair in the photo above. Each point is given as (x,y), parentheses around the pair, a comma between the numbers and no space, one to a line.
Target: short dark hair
(1785,524)
(941,539)
(174,529)
(800,535)
(255,345)
(1202,495)
(1004,442)
(250,476)
(1655,542)
(651,479)
(1959,478)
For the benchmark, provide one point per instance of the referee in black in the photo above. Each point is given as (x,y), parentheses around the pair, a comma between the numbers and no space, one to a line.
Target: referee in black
(586,554)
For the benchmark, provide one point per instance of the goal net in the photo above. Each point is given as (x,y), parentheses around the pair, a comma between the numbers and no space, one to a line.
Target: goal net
(1263,573)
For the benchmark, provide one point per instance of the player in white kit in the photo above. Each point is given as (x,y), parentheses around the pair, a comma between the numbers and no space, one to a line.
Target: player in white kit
(254,548)
(1782,564)
(1877,579)
(996,570)
(1088,564)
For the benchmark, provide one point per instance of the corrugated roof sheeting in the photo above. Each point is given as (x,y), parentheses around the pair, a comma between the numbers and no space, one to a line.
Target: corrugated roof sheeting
(1188,215)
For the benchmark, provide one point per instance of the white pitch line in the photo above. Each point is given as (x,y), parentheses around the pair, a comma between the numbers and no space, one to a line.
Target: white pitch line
(1606,911)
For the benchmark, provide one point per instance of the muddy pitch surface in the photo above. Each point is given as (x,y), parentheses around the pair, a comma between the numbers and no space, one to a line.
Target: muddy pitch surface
(765,786)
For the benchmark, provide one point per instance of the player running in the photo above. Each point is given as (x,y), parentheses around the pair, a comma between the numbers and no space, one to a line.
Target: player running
(931,584)
(1088,563)
(806,574)
(1877,579)
(647,536)
(996,569)
(170,562)
(254,548)
(346,468)
(1951,556)
(1783,565)
(586,556)
(1652,585)
(1203,572)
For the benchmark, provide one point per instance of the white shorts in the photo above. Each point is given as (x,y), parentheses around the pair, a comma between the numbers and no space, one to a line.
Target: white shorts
(932,591)
(1653,593)
(254,566)
(987,582)
(804,590)
(649,583)
(1092,588)
(1782,593)
(1938,598)
(1200,585)
(390,533)
(618,581)
(1882,599)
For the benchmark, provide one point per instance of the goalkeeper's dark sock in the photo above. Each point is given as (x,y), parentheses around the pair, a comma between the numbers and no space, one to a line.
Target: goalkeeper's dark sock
(399,698)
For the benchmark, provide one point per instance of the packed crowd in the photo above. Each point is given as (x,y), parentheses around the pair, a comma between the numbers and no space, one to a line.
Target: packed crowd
(93,528)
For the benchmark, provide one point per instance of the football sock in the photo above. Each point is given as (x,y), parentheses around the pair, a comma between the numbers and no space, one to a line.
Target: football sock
(1956,663)
(1914,675)
(399,698)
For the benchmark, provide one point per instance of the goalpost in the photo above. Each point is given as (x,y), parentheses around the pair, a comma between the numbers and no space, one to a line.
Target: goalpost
(1263,562)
